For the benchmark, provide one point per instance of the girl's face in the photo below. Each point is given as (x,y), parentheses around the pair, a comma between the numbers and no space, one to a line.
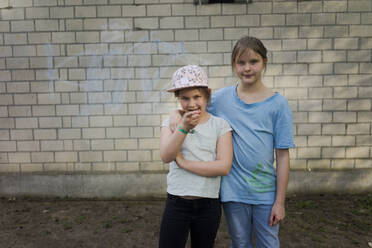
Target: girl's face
(249,67)
(192,99)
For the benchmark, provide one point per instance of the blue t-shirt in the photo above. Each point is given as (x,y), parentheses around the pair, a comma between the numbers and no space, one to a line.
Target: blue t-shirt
(258,128)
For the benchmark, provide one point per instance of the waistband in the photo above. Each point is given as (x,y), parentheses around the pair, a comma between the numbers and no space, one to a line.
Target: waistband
(203,199)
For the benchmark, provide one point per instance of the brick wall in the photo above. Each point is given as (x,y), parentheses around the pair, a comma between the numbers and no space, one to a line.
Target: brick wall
(82,81)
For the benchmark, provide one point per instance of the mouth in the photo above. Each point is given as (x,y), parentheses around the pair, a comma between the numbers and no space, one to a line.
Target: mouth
(195,109)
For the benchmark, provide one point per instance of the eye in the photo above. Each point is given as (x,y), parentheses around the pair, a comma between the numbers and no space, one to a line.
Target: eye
(241,62)
(254,61)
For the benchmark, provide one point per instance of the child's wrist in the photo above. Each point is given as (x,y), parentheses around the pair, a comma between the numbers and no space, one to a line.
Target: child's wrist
(182,129)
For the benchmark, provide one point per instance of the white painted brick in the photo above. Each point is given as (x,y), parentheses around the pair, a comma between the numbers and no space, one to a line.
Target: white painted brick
(211,34)
(12,14)
(319,141)
(145,48)
(61,12)
(364,140)
(235,33)
(356,6)
(333,152)
(345,92)
(87,37)
(319,93)
(183,9)
(108,11)
(359,128)
(117,132)
(50,122)
(63,37)
(22,111)
(22,26)
(45,134)
(148,143)
(112,36)
(320,117)
(219,46)
(295,69)
(96,49)
(159,10)
(115,156)
(272,20)
(102,144)
(363,163)
(141,132)
(139,156)
(85,11)
(8,146)
(93,133)
(323,44)
(348,18)
(26,123)
(234,9)
(337,80)
(45,2)
(321,68)
(81,145)
(334,56)
(342,164)
(316,164)
(197,22)
(126,144)
(247,20)
(343,140)
(52,98)
(196,47)
(366,18)
(38,157)
(344,117)
(308,152)
(308,129)
(52,145)
(66,157)
(100,121)
(69,133)
(96,24)
(63,110)
(28,146)
(74,25)
(129,166)
(357,152)
(186,35)
(297,19)
(99,97)
(346,43)
(333,129)
(91,85)
(362,55)
(260,8)
(162,35)
(365,116)
(17,63)
(309,56)
(222,21)
(90,156)
(139,10)
(78,98)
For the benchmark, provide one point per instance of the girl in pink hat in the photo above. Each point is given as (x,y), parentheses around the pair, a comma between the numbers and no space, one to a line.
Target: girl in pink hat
(199,152)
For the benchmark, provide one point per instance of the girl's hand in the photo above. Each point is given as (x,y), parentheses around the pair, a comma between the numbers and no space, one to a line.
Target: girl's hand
(190,119)
(277,214)
(175,118)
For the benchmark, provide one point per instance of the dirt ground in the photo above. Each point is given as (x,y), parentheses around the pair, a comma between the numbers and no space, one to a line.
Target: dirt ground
(311,221)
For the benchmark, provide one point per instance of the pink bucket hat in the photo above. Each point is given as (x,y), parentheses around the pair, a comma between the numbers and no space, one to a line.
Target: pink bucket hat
(187,77)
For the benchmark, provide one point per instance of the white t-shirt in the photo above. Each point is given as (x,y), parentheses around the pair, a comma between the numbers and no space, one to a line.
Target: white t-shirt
(197,146)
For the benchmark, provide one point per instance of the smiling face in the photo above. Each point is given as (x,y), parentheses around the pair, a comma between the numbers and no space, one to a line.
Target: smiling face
(193,99)
(249,67)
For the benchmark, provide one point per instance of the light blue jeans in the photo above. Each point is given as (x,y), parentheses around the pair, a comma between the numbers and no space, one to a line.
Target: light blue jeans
(243,220)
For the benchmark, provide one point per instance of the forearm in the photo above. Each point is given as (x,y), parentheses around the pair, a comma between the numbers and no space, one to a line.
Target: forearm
(170,147)
(206,168)
(282,175)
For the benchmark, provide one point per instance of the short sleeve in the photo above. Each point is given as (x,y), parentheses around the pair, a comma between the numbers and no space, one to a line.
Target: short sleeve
(283,130)
(224,127)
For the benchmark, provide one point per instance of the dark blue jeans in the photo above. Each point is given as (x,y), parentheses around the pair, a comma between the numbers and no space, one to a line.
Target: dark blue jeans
(200,217)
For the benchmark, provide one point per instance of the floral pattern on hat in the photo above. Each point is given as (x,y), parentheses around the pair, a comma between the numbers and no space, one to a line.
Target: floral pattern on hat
(188,76)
